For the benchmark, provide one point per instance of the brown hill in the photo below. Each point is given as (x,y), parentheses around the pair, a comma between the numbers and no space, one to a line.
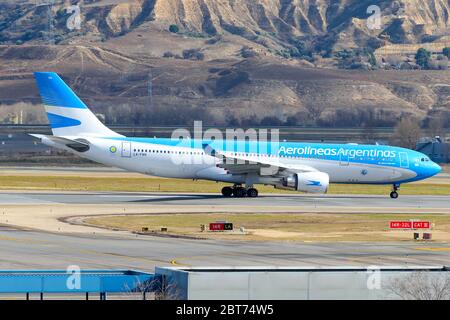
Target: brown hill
(142,90)
(269,25)
(231,62)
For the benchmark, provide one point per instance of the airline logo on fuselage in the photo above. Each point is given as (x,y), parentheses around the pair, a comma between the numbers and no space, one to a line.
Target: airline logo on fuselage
(328,151)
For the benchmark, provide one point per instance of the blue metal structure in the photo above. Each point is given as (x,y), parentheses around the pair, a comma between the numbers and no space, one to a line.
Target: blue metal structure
(436,148)
(84,281)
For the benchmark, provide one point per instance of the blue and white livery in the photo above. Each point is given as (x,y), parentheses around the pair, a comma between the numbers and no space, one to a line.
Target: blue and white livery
(304,167)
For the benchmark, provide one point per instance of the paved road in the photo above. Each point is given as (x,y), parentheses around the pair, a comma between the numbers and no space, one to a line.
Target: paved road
(39,250)
(339,201)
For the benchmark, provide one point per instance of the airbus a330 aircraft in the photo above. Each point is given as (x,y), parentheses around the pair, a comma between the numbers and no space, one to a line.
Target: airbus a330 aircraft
(304,167)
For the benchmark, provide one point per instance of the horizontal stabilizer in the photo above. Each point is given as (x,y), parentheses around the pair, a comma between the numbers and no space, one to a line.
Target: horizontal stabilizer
(79,145)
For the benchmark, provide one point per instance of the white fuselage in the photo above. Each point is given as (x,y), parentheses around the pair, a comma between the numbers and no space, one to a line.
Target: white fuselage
(188,163)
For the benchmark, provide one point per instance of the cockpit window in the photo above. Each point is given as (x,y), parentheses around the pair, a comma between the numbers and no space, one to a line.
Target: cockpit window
(423,159)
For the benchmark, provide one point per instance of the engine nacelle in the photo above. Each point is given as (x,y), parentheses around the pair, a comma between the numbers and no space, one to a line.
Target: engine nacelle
(310,182)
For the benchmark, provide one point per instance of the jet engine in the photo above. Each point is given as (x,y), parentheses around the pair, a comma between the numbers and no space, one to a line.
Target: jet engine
(310,182)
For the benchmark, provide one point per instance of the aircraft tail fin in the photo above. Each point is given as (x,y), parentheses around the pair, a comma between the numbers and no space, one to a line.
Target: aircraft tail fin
(67,114)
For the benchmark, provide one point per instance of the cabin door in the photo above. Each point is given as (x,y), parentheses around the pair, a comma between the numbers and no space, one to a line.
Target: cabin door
(126,149)
(404,162)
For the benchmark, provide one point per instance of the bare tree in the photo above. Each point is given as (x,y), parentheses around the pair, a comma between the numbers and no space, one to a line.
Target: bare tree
(436,126)
(369,131)
(421,286)
(31,114)
(394,60)
(407,133)
(314,111)
(159,287)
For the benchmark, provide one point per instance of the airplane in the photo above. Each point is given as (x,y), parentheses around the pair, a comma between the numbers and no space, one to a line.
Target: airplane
(302,167)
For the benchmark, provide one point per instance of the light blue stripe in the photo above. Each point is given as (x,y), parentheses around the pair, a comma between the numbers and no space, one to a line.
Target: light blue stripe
(57,121)
(269,148)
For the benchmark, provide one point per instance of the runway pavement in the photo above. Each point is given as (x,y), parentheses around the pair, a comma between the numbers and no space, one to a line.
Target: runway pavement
(40,250)
(32,249)
(267,200)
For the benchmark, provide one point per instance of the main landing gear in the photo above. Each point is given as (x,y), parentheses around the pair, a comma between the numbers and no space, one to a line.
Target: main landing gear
(238,191)
(394,193)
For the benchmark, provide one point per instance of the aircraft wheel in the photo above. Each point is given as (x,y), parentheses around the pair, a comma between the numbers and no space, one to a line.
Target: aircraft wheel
(239,192)
(252,193)
(394,194)
(227,192)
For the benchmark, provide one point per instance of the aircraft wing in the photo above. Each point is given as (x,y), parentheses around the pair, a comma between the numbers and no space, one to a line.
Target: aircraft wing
(77,145)
(238,165)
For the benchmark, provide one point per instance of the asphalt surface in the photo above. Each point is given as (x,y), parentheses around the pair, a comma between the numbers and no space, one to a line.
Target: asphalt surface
(39,250)
(269,200)
(30,249)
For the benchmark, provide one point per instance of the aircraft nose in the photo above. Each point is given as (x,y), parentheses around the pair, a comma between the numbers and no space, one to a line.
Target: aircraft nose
(429,169)
(436,168)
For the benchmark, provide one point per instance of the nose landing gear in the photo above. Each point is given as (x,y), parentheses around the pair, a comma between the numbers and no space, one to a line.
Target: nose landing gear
(394,193)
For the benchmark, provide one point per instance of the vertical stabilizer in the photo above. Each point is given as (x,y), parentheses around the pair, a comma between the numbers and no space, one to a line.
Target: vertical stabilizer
(67,114)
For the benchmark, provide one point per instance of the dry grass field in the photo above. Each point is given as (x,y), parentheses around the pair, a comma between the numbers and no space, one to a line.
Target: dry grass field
(280,226)
(134,183)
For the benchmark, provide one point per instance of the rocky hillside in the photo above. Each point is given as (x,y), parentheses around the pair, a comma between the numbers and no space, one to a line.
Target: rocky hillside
(146,90)
(273,25)
(229,62)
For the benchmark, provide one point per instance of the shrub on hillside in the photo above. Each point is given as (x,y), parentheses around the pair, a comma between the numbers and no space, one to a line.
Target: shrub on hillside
(193,54)
(174,28)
